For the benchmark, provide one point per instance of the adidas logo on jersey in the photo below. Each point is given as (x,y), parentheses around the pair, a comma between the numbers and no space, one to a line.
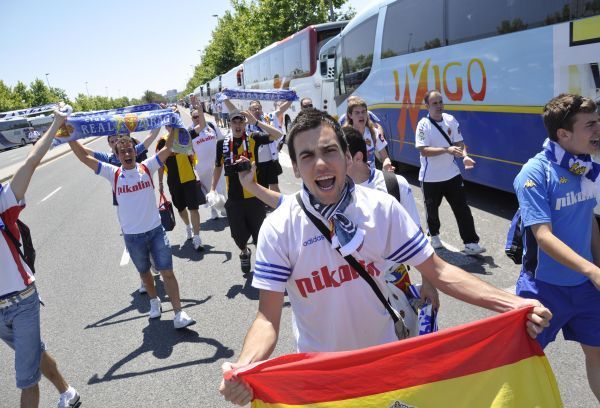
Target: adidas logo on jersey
(571,199)
(313,240)
(324,278)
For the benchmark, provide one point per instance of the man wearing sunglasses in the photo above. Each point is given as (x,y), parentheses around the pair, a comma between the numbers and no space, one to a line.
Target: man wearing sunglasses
(557,191)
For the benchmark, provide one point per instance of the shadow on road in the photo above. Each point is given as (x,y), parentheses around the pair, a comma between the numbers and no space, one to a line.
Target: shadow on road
(470,263)
(140,304)
(246,289)
(187,251)
(216,225)
(160,340)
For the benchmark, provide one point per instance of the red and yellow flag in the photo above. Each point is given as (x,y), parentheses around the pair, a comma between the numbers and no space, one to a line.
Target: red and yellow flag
(488,363)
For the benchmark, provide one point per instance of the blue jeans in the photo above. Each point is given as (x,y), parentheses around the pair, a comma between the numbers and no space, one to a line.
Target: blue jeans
(154,242)
(20,330)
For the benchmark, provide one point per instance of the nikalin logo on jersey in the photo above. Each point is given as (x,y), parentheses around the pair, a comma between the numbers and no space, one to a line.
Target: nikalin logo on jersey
(571,199)
(324,278)
(140,185)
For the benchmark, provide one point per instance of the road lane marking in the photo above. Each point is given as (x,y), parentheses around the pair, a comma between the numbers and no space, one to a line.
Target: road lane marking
(124,258)
(50,195)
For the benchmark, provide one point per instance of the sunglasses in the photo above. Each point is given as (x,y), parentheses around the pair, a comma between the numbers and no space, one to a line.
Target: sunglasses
(195,117)
(307,106)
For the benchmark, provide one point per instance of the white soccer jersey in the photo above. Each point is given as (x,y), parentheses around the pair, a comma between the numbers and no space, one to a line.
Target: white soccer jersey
(205,148)
(13,277)
(333,308)
(380,144)
(441,167)
(266,152)
(407,199)
(137,209)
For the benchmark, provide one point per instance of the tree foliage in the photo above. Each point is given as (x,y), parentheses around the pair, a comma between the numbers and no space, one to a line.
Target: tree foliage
(253,25)
(37,93)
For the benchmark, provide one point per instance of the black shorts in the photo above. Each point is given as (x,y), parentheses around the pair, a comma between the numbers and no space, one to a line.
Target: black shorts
(184,195)
(245,219)
(268,172)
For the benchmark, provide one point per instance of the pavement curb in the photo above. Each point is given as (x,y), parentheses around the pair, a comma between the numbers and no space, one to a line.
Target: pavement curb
(48,157)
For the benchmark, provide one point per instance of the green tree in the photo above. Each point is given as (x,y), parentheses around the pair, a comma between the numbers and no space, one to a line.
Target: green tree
(7,100)
(22,96)
(153,97)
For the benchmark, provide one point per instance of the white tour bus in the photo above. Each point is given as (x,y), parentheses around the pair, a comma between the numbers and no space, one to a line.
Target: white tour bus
(13,132)
(292,63)
(496,63)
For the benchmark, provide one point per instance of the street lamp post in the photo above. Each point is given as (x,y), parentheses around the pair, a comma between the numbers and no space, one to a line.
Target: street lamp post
(47,81)
(86,89)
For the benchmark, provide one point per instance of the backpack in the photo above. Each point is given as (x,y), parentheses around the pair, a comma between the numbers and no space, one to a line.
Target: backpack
(513,248)
(28,251)
(118,173)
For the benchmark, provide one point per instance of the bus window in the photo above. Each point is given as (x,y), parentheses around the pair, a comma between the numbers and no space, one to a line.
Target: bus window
(472,19)
(357,55)
(412,26)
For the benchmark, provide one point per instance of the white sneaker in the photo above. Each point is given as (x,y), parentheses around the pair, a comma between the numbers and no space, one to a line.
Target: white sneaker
(189,233)
(142,288)
(473,249)
(436,242)
(182,320)
(69,399)
(155,308)
(197,243)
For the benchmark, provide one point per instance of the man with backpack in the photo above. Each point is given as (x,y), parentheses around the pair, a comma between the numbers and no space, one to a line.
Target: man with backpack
(140,221)
(557,191)
(19,299)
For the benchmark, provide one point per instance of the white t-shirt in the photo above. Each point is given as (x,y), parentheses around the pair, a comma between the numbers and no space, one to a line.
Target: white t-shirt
(137,209)
(442,167)
(266,152)
(205,148)
(333,308)
(380,144)
(407,199)
(11,278)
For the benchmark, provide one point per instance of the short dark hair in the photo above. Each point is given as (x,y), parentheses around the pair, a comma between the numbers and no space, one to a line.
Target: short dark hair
(560,111)
(356,142)
(312,118)
(428,95)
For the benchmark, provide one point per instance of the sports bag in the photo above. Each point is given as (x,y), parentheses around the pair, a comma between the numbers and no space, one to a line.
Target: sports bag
(167,215)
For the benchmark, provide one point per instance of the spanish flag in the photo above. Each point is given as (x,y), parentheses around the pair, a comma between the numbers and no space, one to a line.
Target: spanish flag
(488,363)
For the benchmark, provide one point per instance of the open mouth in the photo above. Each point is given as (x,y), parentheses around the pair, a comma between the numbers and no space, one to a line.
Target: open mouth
(325,183)
(595,143)
(128,161)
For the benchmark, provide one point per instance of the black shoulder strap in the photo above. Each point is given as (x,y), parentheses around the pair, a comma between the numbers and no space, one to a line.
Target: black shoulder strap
(392,185)
(212,126)
(351,260)
(15,242)
(441,130)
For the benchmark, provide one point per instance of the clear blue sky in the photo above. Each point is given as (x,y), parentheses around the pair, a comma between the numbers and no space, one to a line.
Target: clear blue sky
(119,47)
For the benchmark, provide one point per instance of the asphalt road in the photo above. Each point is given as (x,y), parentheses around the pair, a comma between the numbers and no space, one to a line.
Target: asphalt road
(96,325)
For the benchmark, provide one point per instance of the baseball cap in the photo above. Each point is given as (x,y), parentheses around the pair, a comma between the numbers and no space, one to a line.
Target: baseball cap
(236,114)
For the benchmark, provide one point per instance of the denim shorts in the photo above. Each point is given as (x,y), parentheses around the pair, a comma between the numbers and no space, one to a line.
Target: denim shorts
(154,242)
(20,330)
(575,309)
